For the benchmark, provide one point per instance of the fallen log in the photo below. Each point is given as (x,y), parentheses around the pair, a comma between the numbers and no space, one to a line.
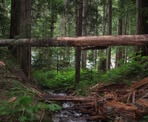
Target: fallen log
(143,103)
(106,40)
(94,48)
(121,106)
(67,98)
(79,41)
(139,84)
(95,117)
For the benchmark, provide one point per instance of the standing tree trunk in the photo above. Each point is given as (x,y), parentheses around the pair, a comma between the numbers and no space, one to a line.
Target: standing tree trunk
(21,28)
(84,32)
(126,31)
(67,27)
(52,24)
(52,18)
(102,59)
(139,17)
(3,18)
(119,52)
(142,24)
(108,60)
(79,9)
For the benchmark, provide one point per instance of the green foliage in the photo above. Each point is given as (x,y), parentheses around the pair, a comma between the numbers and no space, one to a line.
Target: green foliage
(133,69)
(56,5)
(52,79)
(82,88)
(52,107)
(136,68)
(45,15)
(90,75)
(65,80)
(4,19)
(24,109)
(21,110)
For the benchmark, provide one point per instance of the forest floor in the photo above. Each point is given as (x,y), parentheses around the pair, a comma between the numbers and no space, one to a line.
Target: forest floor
(23,101)
(118,102)
(20,99)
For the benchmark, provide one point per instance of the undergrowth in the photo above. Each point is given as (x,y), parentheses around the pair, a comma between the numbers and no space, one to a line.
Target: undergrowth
(18,102)
(54,80)
(126,72)
(64,80)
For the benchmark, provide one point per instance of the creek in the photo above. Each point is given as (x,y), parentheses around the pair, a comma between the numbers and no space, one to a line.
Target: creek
(68,114)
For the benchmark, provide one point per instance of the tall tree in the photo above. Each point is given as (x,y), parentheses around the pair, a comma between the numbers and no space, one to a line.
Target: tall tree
(3,18)
(55,7)
(79,10)
(108,59)
(102,59)
(142,22)
(119,51)
(68,25)
(84,31)
(21,28)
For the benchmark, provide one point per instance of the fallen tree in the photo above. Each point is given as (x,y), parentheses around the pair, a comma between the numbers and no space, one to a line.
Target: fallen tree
(99,41)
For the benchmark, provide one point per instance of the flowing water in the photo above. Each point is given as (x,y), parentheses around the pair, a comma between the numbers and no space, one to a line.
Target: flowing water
(67,114)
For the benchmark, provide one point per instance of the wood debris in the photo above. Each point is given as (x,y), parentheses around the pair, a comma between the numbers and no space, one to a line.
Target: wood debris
(2,64)
(114,101)
(12,99)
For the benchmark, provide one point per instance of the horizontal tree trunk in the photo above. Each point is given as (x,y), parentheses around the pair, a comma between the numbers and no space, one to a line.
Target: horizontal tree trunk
(80,41)
(67,98)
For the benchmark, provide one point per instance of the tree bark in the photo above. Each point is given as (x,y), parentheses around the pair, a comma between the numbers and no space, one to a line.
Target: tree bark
(102,61)
(85,41)
(84,32)
(142,25)
(108,59)
(52,24)
(119,52)
(79,10)
(21,28)
(139,17)
(3,18)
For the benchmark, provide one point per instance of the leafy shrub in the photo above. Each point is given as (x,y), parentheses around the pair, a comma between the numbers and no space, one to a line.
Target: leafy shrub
(131,70)
(54,80)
